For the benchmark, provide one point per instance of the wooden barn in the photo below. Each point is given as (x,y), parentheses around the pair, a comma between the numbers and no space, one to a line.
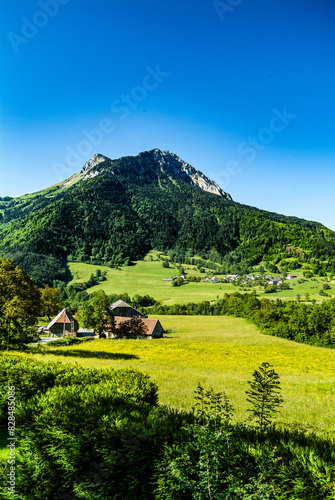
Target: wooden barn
(63,324)
(124,310)
(154,329)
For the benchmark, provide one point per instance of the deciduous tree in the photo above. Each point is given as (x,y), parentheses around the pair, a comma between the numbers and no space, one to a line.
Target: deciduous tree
(50,301)
(20,304)
(133,327)
(96,312)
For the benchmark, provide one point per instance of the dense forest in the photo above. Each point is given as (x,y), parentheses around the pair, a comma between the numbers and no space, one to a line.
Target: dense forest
(118,215)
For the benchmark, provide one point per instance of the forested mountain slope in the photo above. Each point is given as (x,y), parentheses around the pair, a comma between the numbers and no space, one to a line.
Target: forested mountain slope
(114,211)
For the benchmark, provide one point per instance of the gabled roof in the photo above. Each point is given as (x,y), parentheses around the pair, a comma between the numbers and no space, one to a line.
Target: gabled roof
(121,303)
(150,323)
(64,316)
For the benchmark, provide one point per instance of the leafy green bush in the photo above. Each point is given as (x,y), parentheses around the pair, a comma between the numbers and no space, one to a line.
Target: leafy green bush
(33,378)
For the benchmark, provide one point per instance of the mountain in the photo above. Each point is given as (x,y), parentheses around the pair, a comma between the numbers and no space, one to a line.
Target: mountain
(114,211)
(152,166)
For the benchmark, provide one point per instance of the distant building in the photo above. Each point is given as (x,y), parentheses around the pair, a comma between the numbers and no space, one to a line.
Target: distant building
(63,324)
(232,277)
(291,276)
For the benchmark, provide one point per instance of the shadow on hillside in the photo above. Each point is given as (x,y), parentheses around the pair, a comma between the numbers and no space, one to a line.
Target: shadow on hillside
(88,354)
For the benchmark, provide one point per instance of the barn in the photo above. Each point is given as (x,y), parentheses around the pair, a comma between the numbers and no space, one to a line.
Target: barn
(153,327)
(63,324)
(124,310)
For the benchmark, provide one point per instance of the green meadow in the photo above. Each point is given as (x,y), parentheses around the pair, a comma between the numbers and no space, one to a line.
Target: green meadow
(219,352)
(145,277)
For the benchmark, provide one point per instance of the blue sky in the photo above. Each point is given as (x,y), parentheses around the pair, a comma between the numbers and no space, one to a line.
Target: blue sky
(243,90)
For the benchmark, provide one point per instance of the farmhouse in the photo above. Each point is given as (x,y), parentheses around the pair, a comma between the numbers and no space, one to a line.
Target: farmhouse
(63,324)
(153,327)
(124,310)
(291,276)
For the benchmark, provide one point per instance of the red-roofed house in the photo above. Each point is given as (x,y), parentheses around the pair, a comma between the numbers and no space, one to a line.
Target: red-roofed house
(153,327)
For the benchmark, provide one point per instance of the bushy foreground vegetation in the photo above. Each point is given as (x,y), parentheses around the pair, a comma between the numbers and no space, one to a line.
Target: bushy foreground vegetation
(97,435)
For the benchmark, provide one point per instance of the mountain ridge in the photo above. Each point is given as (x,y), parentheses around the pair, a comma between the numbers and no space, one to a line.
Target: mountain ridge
(113,211)
(154,162)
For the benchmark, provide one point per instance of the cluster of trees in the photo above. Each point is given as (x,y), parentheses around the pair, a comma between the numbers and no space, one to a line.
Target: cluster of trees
(43,269)
(276,288)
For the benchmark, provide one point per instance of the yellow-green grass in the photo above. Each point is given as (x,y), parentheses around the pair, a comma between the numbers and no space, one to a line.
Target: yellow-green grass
(220,352)
(146,278)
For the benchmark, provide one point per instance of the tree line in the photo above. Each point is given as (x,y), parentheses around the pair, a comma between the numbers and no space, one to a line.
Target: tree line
(305,323)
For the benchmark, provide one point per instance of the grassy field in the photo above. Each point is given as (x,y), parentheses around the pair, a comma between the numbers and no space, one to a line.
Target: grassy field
(220,352)
(146,278)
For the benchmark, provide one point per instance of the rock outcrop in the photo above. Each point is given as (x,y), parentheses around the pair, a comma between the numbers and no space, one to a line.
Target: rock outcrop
(153,166)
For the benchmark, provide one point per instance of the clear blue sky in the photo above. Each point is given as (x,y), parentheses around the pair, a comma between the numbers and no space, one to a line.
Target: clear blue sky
(241,89)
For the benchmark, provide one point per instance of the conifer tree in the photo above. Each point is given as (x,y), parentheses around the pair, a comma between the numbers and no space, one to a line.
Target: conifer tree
(264,395)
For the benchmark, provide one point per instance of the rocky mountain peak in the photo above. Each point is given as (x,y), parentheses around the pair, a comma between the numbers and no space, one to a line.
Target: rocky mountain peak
(152,165)
(93,162)
(174,166)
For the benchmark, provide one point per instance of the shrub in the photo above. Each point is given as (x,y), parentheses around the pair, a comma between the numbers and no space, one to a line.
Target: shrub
(33,378)
(210,462)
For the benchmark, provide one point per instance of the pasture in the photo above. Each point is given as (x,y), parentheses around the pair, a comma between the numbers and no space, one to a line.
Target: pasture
(219,352)
(145,277)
